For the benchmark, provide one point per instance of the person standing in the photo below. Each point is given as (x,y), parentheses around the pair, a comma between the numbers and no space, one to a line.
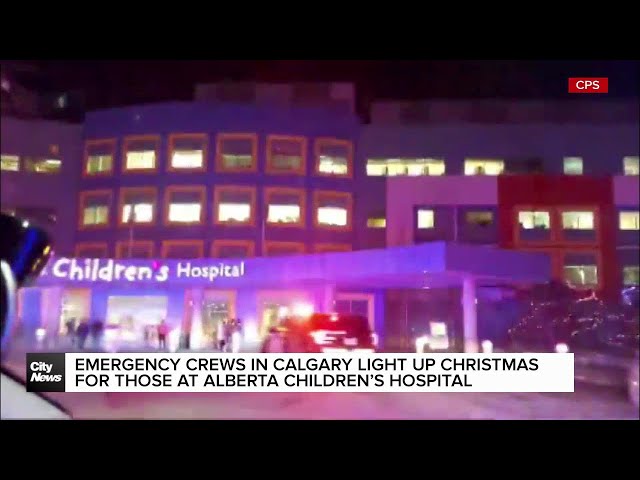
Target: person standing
(221,334)
(163,331)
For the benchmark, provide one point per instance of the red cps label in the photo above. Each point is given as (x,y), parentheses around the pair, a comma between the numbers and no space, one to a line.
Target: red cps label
(589,85)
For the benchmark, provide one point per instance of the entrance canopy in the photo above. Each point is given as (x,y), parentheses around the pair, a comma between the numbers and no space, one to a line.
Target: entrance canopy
(435,264)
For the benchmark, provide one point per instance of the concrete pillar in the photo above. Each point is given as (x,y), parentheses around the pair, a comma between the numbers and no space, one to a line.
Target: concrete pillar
(328,299)
(469,315)
(196,334)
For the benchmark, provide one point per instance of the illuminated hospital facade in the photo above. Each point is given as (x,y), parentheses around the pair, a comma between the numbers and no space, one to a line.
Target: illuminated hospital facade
(431,213)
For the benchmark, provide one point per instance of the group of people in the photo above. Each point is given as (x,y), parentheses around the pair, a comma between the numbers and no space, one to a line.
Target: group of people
(79,332)
(229,335)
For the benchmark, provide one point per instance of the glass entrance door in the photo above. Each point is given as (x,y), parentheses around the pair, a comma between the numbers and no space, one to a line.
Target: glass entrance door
(214,311)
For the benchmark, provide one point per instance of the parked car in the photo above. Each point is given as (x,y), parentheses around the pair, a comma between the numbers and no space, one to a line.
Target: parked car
(321,333)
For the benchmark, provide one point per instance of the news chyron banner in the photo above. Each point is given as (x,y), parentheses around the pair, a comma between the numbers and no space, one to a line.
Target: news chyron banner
(334,372)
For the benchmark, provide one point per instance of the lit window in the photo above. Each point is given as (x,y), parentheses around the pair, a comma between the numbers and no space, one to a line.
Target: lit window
(95,215)
(333,165)
(426,219)
(185,212)
(48,165)
(572,166)
(236,152)
(631,275)
(631,166)
(332,216)
(377,222)
(333,156)
(483,167)
(285,154)
(283,214)
(141,160)
(141,213)
(405,167)
(10,163)
(534,220)
(581,275)
(187,159)
(629,221)
(99,163)
(482,218)
(577,220)
(237,161)
(234,212)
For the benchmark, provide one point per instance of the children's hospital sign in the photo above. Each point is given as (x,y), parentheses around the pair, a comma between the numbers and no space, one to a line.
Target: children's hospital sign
(109,270)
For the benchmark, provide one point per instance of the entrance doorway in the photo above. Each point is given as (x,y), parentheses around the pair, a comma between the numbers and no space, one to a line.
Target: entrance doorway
(133,319)
(76,307)
(217,306)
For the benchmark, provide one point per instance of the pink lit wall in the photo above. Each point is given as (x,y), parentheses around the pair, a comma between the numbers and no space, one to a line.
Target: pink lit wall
(626,190)
(405,193)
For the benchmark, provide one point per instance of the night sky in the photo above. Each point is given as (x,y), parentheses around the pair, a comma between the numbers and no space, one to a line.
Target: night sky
(113,83)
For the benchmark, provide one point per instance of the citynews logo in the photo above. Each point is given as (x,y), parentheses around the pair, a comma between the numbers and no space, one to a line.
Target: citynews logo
(45,372)
(589,85)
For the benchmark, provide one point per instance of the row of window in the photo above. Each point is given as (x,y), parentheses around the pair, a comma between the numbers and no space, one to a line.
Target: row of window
(234,153)
(527,220)
(13,163)
(233,205)
(286,155)
(586,276)
(179,249)
(416,167)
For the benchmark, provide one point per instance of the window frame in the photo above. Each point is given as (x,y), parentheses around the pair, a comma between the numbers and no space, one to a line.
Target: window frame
(300,247)
(625,267)
(201,190)
(111,142)
(301,194)
(124,245)
(572,159)
(167,244)
(218,190)
(598,258)
(121,203)
(319,143)
(171,148)
(301,170)
(483,160)
(82,197)
(219,162)
(558,234)
(318,195)
(16,158)
(79,246)
(217,244)
(417,218)
(125,149)
(632,212)
(561,213)
(28,162)
(470,213)
(626,168)
(373,227)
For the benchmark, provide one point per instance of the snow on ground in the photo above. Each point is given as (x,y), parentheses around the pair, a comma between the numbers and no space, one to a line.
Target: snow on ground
(585,403)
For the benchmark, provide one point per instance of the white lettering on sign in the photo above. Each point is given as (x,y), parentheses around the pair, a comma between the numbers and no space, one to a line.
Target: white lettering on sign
(109,271)
(210,272)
